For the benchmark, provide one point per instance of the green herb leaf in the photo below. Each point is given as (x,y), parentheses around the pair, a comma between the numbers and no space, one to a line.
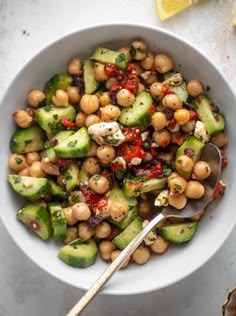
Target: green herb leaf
(72,143)
(120,173)
(18,160)
(111,141)
(132,51)
(48,108)
(97,177)
(178,187)
(121,57)
(180,161)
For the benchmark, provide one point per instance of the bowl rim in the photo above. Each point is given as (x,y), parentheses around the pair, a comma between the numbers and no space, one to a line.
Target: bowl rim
(31,59)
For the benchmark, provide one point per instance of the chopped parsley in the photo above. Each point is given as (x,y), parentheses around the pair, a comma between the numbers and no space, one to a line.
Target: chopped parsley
(180,161)
(132,51)
(97,177)
(121,57)
(72,143)
(18,160)
(48,108)
(178,187)
(111,141)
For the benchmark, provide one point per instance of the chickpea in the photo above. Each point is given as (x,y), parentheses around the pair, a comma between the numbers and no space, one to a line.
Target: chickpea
(201,170)
(80,119)
(118,210)
(92,119)
(177,184)
(162,137)
(194,190)
(156,91)
(110,113)
(73,94)
(189,126)
(93,149)
(17,162)
(151,78)
(32,157)
(141,255)
(125,97)
(194,88)
(219,139)
(106,248)
(99,184)
(60,98)
(35,97)
(24,172)
(177,200)
(36,170)
(158,120)
(106,154)
(140,50)
(104,99)
(115,254)
(91,166)
(69,216)
(89,103)
(125,50)
(185,163)
(71,235)
(172,102)
(75,67)
(85,231)
(160,245)
(22,119)
(103,230)
(148,62)
(99,72)
(81,211)
(110,82)
(163,63)
(182,116)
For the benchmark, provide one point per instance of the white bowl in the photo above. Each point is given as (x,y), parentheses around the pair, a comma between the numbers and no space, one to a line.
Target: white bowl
(178,262)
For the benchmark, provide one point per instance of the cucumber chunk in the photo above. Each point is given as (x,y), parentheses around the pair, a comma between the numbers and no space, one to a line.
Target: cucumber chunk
(56,190)
(29,187)
(117,195)
(37,219)
(131,231)
(181,91)
(136,186)
(79,253)
(83,178)
(48,117)
(214,122)
(91,84)
(109,56)
(28,139)
(138,113)
(178,233)
(58,219)
(60,81)
(74,146)
(196,145)
(71,176)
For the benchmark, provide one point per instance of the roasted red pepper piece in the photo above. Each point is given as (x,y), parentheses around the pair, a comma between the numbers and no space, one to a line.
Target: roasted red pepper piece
(220,190)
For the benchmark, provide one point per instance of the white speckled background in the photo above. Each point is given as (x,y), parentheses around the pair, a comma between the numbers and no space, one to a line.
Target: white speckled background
(27,26)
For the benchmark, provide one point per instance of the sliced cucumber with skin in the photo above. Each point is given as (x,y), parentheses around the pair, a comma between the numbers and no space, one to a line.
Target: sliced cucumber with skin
(28,139)
(74,146)
(214,122)
(91,84)
(136,186)
(109,56)
(132,214)
(71,177)
(37,219)
(128,234)
(58,220)
(138,114)
(178,233)
(29,187)
(181,91)
(196,145)
(56,190)
(58,82)
(49,116)
(83,178)
(79,253)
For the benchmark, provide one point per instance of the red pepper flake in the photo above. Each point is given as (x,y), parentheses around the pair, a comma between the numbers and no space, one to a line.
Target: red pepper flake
(116,166)
(224,159)
(102,203)
(220,190)
(151,110)
(67,123)
(166,89)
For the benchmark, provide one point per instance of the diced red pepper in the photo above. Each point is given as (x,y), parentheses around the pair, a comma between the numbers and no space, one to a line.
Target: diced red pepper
(67,123)
(103,202)
(91,197)
(111,70)
(130,68)
(164,143)
(220,190)
(193,114)
(131,85)
(166,89)
(61,162)
(132,135)
(153,172)
(116,166)
(128,152)
(115,87)
(151,110)
(224,159)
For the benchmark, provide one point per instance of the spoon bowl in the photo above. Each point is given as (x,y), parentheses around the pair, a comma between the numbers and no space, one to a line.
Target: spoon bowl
(210,154)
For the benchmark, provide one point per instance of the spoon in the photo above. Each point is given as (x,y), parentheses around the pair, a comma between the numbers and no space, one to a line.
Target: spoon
(212,155)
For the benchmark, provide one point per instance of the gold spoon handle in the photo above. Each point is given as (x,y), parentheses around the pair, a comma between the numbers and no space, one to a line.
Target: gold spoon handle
(114,266)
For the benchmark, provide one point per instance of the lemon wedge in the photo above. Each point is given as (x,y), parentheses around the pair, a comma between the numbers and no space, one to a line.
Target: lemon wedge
(168,8)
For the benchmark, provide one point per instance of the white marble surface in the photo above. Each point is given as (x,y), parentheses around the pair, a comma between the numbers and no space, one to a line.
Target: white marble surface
(27,26)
